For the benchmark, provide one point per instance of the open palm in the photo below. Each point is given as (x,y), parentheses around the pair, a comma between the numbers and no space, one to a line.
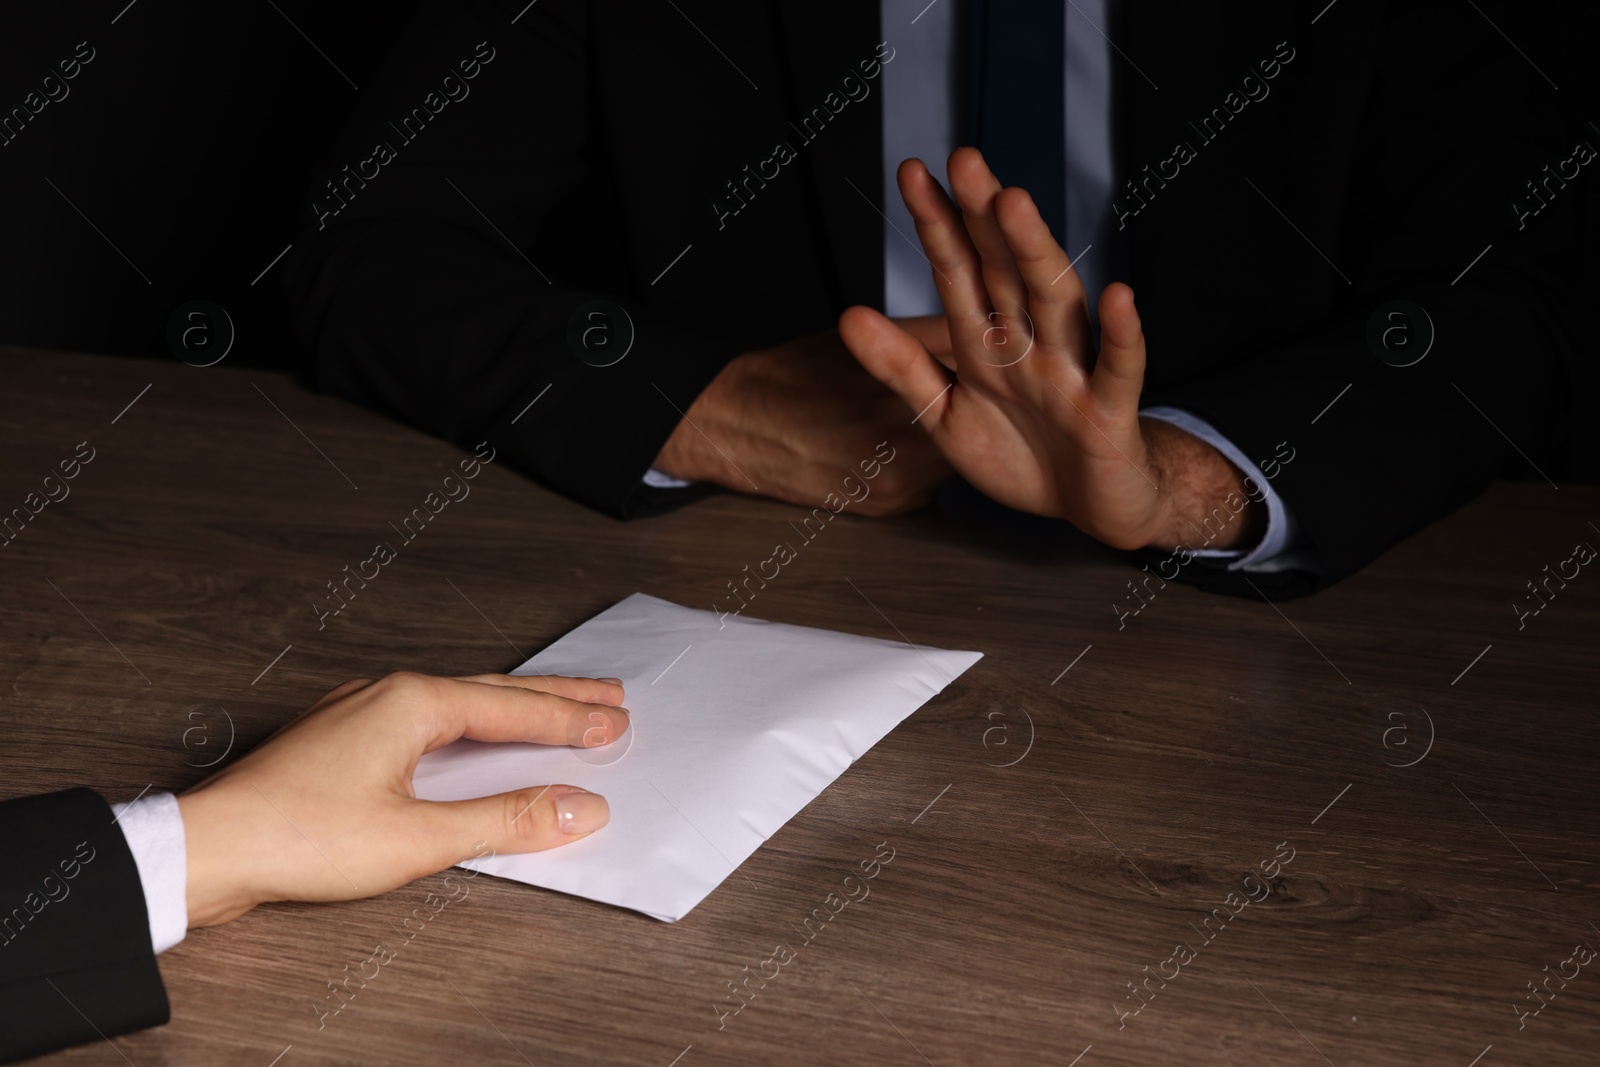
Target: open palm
(1030,416)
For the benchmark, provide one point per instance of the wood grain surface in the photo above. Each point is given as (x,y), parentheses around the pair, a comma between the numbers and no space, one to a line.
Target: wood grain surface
(1061,819)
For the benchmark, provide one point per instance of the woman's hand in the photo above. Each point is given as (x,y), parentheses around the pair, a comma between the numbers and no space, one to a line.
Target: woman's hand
(324,810)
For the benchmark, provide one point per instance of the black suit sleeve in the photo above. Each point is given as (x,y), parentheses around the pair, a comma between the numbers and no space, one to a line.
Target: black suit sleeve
(441,288)
(1448,139)
(76,962)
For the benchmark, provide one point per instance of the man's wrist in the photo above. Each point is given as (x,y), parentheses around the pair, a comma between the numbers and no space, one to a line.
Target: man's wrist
(1205,499)
(691,453)
(683,455)
(676,458)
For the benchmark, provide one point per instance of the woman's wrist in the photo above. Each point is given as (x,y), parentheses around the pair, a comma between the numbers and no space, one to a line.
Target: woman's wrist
(215,890)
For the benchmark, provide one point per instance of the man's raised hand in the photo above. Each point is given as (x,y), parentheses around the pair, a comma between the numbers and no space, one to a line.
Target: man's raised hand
(1031,416)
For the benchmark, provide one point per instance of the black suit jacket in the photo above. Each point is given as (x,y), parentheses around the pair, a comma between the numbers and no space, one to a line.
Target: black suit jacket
(76,962)
(591,159)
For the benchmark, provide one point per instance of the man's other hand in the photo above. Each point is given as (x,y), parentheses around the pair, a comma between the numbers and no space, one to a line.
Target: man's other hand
(793,421)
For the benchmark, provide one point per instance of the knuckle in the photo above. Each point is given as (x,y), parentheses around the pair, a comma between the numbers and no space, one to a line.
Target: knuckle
(407,684)
(893,486)
(526,816)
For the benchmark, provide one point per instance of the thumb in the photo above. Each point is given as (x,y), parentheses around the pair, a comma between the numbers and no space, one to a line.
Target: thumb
(897,359)
(933,332)
(1119,372)
(523,820)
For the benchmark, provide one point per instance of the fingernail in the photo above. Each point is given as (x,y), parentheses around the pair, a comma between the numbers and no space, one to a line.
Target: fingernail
(613,681)
(616,725)
(582,813)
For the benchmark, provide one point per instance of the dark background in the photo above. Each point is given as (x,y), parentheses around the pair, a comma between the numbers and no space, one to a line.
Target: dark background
(189,139)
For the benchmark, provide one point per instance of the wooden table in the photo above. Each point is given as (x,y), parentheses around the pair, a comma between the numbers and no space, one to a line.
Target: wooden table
(1068,812)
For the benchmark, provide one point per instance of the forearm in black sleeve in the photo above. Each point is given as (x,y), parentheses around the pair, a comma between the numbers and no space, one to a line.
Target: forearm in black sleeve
(442,290)
(76,962)
(1449,140)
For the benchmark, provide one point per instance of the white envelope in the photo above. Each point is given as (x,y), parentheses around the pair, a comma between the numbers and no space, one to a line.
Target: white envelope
(737,724)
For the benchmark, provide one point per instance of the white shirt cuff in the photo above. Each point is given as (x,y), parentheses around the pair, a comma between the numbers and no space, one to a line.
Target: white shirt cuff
(657,480)
(1282,546)
(153,827)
